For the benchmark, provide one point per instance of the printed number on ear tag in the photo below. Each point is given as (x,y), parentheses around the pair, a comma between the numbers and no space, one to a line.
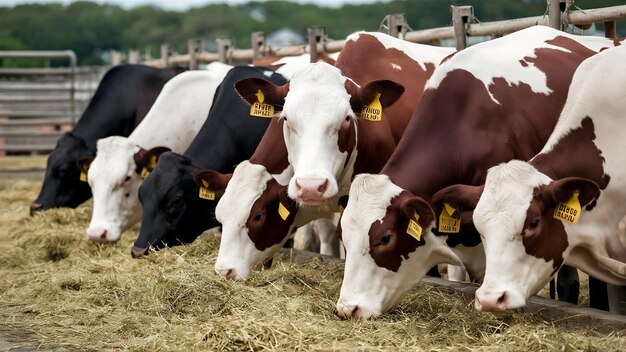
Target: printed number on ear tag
(374,110)
(283,211)
(260,109)
(205,192)
(448,224)
(83,176)
(414,229)
(570,210)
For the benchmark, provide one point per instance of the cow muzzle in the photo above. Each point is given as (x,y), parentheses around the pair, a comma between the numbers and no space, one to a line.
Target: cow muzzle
(35,207)
(138,252)
(498,300)
(311,190)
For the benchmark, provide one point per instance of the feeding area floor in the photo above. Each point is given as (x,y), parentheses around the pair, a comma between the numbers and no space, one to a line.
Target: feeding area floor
(58,291)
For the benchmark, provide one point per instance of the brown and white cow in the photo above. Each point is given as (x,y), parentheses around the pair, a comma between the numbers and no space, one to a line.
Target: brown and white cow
(487,104)
(326,144)
(565,205)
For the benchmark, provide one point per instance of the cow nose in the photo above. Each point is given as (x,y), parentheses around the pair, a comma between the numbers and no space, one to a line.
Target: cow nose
(348,311)
(311,188)
(490,301)
(138,252)
(97,235)
(35,207)
(227,273)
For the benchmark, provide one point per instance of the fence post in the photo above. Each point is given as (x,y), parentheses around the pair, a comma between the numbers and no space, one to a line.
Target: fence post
(555,10)
(258,45)
(609,29)
(166,51)
(193,48)
(461,16)
(316,35)
(395,25)
(116,58)
(133,56)
(224,49)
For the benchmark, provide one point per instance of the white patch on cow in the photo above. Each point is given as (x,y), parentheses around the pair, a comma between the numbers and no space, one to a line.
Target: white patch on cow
(366,285)
(315,107)
(420,53)
(173,121)
(506,54)
(237,251)
(293,64)
(268,74)
(396,67)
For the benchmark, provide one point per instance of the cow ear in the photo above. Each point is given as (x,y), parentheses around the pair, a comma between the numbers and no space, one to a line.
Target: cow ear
(249,88)
(562,190)
(212,179)
(84,163)
(387,92)
(461,197)
(412,205)
(149,158)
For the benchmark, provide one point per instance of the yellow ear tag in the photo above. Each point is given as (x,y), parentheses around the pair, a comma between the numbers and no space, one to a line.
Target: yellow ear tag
(153,162)
(570,210)
(259,109)
(144,173)
(414,229)
(374,110)
(205,192)
(341,209)
(83,176)
(448,224)
(282,211)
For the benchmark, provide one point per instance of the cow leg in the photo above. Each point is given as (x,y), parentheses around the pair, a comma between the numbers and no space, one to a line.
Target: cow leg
(617,299)
(568,284)
(329,241)
(598,296)
(456,273)
(305,239)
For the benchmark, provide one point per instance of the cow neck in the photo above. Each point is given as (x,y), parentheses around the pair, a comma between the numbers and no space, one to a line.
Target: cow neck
(271,151)
(574,155)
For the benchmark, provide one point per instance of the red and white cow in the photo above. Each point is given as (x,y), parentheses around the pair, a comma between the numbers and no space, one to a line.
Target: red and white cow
(565,205)
(490,103)
(171,124)
(326,144)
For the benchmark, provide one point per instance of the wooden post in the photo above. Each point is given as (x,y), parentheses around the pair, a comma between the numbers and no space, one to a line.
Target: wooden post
(609,29)
(395,25)
(224,49)
(316,35)
(166,51)
(193,48)
(133,56)
(258,45)
(116,58)
(555,9)
(461,16)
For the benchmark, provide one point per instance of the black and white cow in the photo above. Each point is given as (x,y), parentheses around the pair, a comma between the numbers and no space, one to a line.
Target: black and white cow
(124,96)
(173,210)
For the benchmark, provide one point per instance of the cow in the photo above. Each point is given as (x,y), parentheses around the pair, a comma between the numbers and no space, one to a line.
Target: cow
(121,163)
(174,210)
(565,205)
(123,98)
(323,143)
(489,103)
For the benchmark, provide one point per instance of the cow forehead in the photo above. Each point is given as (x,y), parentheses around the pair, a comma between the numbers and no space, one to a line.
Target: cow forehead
(244,188)
(508,192)
(113,159)
(370,195)
(317,104)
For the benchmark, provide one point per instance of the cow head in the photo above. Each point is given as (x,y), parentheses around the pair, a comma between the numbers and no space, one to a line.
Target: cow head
(319,109)
(62,184)
(389,246)
(114,177)
(256,215)
(524,243)
(172,207)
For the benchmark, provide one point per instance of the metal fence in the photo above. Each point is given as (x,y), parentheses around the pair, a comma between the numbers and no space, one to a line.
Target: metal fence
(38,104)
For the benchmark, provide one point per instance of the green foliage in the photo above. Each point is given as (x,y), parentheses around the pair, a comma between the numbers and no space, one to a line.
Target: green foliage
(89,28)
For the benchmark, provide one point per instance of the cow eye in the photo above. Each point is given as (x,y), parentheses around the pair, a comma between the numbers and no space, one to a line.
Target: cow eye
(533,223)
(127,195)
(257,216)
(347,118)
(385,239)
(127,179)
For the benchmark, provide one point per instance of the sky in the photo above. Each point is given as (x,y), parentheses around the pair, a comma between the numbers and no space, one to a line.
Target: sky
(184,4)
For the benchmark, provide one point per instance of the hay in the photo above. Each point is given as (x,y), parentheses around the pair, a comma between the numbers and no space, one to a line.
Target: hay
(23,162)
(65,292)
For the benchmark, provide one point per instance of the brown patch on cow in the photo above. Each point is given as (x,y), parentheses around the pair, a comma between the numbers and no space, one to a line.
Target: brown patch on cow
(389,241)
(523,63)
(271,151)
(216,181)
(266,227)
(143,157)
(275,95)
(575,155)
(342,203)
